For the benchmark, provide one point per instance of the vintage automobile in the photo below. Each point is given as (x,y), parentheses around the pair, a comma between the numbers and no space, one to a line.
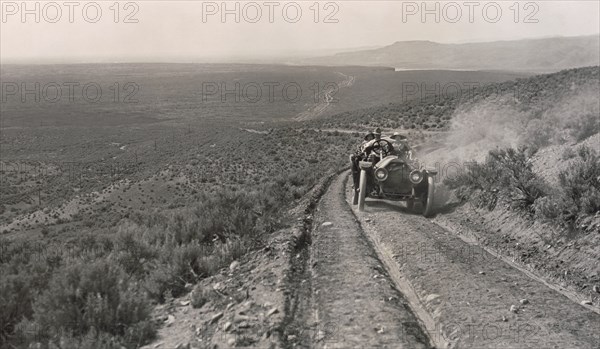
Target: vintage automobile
(387,174)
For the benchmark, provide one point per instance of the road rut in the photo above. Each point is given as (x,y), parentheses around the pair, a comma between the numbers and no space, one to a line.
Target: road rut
(356,303)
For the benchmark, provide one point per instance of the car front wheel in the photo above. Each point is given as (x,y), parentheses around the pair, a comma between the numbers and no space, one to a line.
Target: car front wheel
(428,198)
(362,190)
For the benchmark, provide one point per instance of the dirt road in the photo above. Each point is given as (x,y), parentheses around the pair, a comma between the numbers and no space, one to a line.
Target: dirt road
(325,98)
(354,300)
(387,278)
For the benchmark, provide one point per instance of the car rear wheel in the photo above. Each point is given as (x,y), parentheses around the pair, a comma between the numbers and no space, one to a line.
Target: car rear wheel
(362,190)
(428,199)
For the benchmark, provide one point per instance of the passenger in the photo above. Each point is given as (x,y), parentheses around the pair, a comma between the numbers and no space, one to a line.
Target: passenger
(368,138)
(377,133)
(401,147)
(397,135)
(358,156)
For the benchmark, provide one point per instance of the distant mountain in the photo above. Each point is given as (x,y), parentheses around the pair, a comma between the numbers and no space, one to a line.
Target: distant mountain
(536,55)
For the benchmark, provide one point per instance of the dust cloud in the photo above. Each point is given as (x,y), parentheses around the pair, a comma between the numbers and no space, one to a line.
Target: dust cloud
(505,121)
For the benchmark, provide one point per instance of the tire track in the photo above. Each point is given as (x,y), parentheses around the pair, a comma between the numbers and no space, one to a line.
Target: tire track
(355,301)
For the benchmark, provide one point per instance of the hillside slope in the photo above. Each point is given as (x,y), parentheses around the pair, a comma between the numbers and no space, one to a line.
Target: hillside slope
(532,96)
(525,170)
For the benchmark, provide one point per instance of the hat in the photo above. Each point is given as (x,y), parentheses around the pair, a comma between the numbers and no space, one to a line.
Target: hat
(398,136)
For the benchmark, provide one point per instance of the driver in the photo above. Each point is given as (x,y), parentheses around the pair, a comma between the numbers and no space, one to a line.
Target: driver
(367,146)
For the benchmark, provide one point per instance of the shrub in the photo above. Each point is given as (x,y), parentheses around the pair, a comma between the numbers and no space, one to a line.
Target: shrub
(15,302)
(581,182)
(86,300)
(26,267)
(506,174)
(568,153)
(584,126)
(578,194)
(134,254)
(179,265)
(538,134)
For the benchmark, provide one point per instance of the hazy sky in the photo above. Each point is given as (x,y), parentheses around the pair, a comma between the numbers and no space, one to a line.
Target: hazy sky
(196,30)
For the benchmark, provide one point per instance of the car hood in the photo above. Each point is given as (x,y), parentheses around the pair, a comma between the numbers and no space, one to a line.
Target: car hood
(388,160)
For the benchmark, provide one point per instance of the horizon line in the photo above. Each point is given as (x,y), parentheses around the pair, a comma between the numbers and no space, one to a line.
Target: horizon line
(247,59)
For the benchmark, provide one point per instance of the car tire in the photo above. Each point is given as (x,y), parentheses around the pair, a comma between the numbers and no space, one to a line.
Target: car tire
(428,201)
(362,190)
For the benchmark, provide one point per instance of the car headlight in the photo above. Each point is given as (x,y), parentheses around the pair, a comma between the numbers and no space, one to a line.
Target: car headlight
(416,176)
(381,174)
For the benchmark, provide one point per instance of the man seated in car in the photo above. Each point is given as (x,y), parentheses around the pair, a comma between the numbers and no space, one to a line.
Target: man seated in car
(369,137)
(395,144)
(361,154)
(401,147)
(368,146)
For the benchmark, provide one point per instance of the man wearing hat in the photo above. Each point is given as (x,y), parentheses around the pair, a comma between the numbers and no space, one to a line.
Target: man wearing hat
(361,154)
(400,143)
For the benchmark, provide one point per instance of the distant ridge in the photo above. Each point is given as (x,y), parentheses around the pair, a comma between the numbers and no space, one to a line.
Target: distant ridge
(535,55)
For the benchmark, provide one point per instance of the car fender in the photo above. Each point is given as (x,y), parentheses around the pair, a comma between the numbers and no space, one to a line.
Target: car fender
(430,171)
(365,165)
